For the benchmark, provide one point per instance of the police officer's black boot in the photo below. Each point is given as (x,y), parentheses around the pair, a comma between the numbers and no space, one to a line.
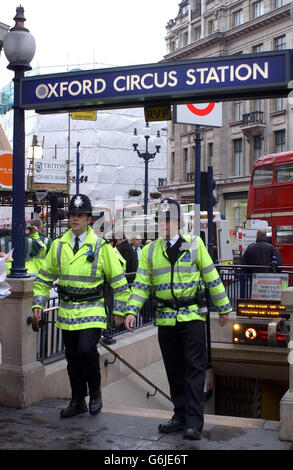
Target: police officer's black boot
(173,425)
(95,404)
(74,408)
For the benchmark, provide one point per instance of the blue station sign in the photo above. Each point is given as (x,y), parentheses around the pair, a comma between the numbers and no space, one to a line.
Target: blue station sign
(212,79)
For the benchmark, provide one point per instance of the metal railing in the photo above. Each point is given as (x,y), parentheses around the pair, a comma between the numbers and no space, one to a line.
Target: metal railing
(255,117)
(50,345)
(237,280)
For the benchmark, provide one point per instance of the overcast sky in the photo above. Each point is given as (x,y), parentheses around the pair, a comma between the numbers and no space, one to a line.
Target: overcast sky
(108,32)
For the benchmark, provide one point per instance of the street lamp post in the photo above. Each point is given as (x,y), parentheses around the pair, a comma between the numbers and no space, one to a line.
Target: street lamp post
(79,169)
(19,48)
(147,156)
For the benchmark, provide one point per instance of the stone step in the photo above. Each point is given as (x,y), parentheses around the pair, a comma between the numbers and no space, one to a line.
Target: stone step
(231,421)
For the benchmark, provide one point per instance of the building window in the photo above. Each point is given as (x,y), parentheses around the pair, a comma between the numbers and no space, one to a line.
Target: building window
(238,157)
(280,144)
(279,104)
(257,48)
(185,38)
(257,147)
(280,42)
(211,26)
(258,8)
(210,153)
(237,18)
(185,151)
(172,166)
(237,217)
(257,105)
(172,46)
(279,3)
(237,110)
(197,33)
(183,10)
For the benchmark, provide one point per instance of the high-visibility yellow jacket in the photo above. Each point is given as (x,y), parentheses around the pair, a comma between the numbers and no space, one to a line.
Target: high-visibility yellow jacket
(34,251)
(81,274)
(192,271)
(34,264)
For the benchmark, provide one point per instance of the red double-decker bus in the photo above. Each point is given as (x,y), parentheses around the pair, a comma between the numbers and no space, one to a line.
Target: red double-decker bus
(271,198)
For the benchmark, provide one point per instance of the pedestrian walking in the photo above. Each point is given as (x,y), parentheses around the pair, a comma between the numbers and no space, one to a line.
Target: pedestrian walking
(174,268)
(80,261)
(261,253)
(137,247)
(126,251)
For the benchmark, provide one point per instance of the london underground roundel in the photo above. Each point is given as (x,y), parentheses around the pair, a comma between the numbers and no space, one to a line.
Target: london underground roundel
(203,114)
(201,111)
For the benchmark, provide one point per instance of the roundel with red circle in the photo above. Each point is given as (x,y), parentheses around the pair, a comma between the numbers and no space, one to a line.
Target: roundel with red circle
(201,111)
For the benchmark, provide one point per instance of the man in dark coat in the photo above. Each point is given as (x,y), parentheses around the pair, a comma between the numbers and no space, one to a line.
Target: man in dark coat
(261,253)
(125,249)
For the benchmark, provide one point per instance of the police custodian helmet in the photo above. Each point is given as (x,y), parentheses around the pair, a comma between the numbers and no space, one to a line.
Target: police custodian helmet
(168,209)
(80,204)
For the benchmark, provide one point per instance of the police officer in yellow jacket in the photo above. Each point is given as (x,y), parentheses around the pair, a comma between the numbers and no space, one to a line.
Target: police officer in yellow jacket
(81,262)
(175,269)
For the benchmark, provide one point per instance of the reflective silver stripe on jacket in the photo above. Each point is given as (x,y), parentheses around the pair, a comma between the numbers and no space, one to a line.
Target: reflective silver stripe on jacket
(78,321)
(76,277)
(220,296)
(49,275)
(208,269)
(116,278)
(96,256)
(80,306)
(59,251)
(178,268)
(150,254)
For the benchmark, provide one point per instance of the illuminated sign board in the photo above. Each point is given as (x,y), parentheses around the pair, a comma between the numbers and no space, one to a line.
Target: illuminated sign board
(260,308)
(259,333)
(196,80)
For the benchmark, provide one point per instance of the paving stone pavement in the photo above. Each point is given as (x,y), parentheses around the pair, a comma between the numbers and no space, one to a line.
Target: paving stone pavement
(39,427)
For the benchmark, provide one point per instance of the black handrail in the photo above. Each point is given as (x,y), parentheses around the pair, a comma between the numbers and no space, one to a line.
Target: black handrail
(126,363)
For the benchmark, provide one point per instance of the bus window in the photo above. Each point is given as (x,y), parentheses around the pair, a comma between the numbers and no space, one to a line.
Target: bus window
(284,234)
(262,176)
(284,172)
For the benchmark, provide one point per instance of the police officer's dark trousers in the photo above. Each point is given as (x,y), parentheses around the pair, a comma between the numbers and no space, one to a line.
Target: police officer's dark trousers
(83,362)
(183,348)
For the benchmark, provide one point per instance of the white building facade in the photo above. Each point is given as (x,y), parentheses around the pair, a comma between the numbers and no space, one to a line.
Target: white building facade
(111,166)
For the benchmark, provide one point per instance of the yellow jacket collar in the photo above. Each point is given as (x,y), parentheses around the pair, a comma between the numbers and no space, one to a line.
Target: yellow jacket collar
(90,239)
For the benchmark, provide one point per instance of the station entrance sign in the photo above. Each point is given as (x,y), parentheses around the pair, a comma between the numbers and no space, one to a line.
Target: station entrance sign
(213,79)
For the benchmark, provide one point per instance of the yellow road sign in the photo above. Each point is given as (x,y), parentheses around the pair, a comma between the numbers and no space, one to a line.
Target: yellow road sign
(85,115)
(157,113)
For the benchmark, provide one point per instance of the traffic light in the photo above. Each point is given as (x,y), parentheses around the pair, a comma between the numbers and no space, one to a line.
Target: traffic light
(204,191)
(57,208)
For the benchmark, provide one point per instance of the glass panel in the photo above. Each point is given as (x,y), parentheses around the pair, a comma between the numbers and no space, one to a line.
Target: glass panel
(284,172)
(284,234)
(262,176)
